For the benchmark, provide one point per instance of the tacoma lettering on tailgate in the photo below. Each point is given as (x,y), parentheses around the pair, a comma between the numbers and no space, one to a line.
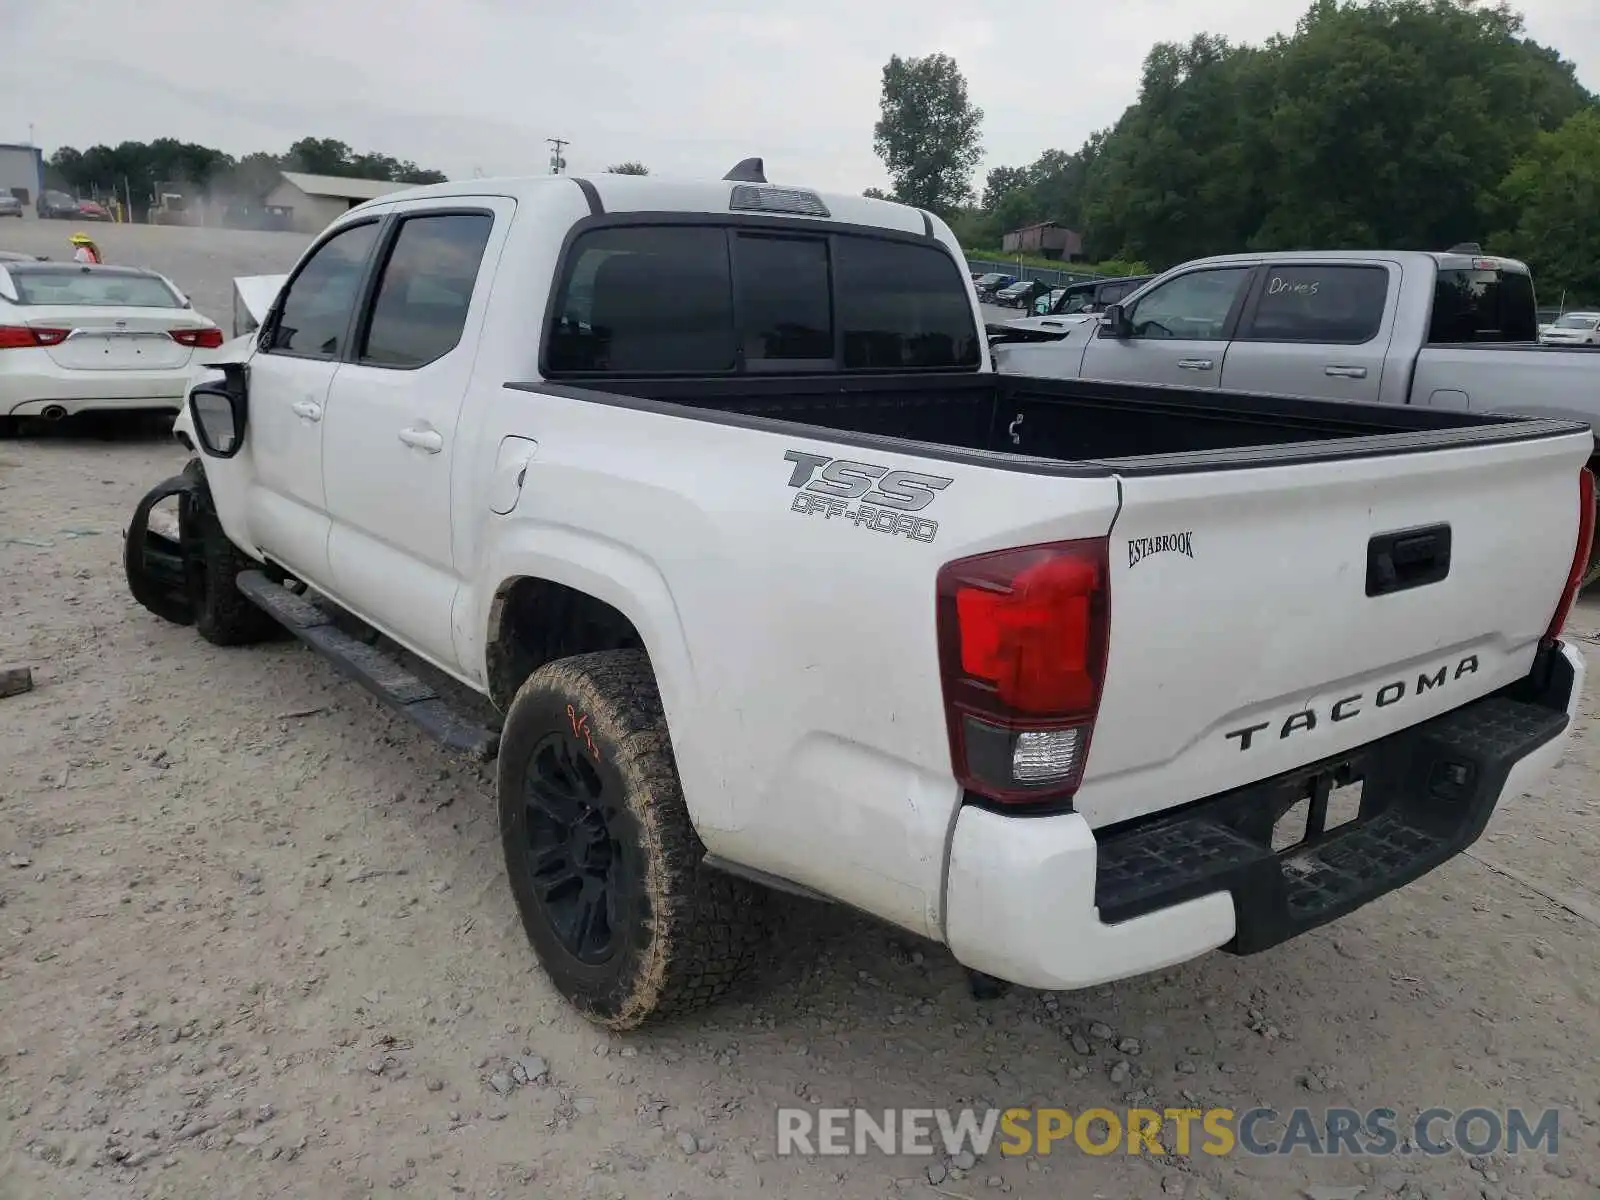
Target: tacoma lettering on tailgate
(887,498)
(1348,708)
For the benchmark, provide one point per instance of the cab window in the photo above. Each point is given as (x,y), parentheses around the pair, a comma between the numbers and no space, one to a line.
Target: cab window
(1332,305)
(1192,307)
(320,300)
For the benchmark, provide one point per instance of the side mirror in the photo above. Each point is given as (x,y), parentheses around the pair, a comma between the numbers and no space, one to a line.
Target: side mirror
(1116,323)
(220,412)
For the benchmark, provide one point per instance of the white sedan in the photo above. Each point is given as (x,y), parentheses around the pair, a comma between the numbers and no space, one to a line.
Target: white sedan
(1573,329)
(77,338)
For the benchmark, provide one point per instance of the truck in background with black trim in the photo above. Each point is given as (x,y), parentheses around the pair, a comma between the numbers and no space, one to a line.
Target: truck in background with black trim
(1454,330)
(711,491)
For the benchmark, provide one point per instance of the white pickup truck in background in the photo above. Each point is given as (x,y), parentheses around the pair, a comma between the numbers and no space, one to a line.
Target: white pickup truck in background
(711,489)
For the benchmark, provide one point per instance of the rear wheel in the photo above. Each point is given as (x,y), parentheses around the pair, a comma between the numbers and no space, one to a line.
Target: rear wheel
(604,864)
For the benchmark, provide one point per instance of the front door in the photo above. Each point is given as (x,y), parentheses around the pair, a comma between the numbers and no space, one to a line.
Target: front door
(1179,332)
(290,375)
(390,436)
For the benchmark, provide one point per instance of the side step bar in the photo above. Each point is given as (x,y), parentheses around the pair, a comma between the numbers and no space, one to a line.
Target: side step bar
(381,675)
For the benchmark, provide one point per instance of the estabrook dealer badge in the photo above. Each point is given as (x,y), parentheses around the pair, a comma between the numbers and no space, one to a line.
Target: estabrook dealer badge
(1140,549)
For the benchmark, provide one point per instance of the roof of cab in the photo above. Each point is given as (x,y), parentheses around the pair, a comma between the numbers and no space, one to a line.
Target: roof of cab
(651,193)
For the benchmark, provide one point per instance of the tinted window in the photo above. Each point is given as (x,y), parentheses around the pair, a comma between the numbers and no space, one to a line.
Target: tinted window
(78,286)
(319,300)
(1193,306)
(1483,306)
(641,300)
(902,306)
(1319,304)
(1576,323)
(661,299)
(426,289)
(785,311)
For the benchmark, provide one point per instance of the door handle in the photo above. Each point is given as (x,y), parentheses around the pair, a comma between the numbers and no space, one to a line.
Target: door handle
(1345,372)
(308,409)
(1194,364)
(430,441)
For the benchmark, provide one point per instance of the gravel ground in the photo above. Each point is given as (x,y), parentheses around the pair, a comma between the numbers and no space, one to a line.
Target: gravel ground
(255,941)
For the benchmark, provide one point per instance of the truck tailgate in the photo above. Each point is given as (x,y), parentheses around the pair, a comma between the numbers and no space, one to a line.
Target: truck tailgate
(1245,638)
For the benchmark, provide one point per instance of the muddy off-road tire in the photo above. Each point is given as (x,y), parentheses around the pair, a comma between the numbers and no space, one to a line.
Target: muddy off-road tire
(603,862)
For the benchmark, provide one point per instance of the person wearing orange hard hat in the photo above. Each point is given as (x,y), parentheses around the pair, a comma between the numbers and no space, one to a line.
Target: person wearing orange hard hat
(86,251)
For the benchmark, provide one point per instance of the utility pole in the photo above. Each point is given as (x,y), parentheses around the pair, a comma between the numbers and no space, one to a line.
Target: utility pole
(557,162)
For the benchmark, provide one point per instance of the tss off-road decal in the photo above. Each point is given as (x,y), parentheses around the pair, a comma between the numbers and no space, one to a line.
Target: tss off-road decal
(887,498)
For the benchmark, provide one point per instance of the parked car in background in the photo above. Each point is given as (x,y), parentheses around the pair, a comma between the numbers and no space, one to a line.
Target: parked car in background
(1065,307)
(56,206)
(75,339)
(1572,329)
(1021,294)
(91,210)
(1093,296)
(991,283)
(10,206)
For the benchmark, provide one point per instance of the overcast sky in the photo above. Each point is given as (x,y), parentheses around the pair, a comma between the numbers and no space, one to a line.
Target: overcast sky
(686,86)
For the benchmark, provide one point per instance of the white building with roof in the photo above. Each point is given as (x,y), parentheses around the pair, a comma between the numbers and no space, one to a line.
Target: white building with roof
(308,203)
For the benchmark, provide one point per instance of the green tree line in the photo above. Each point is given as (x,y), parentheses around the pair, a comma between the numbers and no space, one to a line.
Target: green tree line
(1398,124)
(136,169)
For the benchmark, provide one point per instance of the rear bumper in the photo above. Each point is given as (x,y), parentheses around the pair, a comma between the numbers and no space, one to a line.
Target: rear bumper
(92,391)
(1049,902)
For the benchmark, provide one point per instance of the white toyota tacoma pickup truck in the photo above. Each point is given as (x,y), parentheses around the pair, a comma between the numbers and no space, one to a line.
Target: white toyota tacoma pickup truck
(712,490)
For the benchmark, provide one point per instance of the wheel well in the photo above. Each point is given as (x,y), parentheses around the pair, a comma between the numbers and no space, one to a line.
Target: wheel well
(535,621)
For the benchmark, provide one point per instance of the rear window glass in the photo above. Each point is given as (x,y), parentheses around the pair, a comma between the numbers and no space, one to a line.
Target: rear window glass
(713,300)
(1483,306)
(93,288)
(1314,303)
(1576,323)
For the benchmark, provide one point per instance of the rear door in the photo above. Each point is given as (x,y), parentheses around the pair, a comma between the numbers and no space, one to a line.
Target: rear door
(1179,331)
(1245,643)
(390,436)
(289,379)
(1317,329)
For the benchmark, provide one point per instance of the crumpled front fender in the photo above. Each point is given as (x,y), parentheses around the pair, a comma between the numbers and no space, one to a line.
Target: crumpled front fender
(158,565)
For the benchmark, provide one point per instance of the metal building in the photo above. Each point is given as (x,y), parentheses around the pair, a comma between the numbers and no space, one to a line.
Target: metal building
(309,203)
(21,171)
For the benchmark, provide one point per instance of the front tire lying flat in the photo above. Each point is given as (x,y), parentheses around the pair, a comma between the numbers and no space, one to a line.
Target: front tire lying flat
(604,864)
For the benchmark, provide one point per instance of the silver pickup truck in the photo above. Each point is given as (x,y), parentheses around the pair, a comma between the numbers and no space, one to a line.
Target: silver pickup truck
(1441,330)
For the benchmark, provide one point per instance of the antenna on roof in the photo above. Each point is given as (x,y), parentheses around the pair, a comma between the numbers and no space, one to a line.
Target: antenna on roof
(748,170)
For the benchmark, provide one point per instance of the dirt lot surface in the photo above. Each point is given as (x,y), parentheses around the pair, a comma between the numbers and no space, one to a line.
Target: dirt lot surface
(255,940)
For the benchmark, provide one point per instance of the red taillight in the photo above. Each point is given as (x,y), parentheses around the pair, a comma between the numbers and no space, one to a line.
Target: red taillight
(1580,553)
(1022,649)
(26,337)
(200,339)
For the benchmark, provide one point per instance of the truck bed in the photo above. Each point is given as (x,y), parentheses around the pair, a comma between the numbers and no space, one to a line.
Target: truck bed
(1082,426)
